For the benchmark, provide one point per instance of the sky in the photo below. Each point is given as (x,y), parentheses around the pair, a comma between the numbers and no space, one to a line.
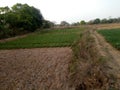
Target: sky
(72,10)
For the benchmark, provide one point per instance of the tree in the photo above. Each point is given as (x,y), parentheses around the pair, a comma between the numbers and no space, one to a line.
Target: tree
(27,17)
(4,10)
(110,20)
(96,21)
(47,24)
(82,22)
(104,21)
(64,23)
(19,18)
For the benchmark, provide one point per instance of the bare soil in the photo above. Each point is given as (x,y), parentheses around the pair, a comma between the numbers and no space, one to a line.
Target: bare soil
(35,69)
(111,53)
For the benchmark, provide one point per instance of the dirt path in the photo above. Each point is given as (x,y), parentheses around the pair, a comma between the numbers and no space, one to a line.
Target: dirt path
(35,69)
(13,38)
(112,55)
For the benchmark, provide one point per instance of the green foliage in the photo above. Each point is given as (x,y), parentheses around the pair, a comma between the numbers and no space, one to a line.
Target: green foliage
(4,10)
(28,17)
(20,16)
(47,24)
(45,38)
(112,36)
(82,22)
(104,21)
(96,21)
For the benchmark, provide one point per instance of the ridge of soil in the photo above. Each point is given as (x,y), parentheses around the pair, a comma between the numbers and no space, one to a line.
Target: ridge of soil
(96,64)
(112,54)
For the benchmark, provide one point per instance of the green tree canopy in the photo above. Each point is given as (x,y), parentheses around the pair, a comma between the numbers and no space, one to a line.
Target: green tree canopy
(96,21)
(22,16)
(28,17)
(19,17)
(82,22)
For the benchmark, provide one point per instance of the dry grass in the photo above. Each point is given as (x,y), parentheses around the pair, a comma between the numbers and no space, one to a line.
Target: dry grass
(107,26)
(92,61)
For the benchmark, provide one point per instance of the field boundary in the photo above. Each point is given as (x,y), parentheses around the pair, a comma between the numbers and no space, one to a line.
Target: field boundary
(14,38)
(93,67)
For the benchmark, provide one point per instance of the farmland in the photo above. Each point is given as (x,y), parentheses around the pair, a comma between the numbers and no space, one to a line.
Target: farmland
(71,47)
(45,38)
(55,61)
(112,36)
(38,68)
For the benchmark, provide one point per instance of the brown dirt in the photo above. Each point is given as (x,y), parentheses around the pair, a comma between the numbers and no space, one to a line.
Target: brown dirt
(35,69)
(111,53)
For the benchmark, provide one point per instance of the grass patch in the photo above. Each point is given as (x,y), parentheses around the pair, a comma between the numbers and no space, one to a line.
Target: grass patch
(112,36)
(45,38)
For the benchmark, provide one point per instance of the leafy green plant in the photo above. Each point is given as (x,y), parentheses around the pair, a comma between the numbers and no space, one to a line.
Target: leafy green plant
(112,36)
(45,38)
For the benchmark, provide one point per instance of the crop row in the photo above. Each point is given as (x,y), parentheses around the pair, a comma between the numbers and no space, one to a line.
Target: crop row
(112,36)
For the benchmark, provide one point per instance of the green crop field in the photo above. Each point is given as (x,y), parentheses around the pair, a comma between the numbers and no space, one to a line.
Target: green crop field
(112,36)
(45,38)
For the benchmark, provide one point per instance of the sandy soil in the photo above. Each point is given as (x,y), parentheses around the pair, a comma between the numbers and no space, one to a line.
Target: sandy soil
(35,69)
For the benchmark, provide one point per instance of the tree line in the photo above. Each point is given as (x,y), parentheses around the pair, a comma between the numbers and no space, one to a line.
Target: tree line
(91,22)
(104,21)
(20,19)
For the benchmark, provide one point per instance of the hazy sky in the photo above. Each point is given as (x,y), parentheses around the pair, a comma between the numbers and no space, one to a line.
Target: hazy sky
(72,10)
